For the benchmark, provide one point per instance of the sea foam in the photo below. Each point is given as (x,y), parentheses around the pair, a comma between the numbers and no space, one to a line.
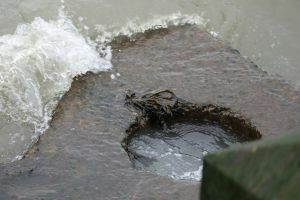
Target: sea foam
(37,65)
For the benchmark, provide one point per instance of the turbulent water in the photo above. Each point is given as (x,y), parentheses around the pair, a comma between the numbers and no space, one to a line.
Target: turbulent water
(38,63)
(45,43)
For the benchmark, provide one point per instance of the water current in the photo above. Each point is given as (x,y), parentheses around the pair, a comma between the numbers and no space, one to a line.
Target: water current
(44,44)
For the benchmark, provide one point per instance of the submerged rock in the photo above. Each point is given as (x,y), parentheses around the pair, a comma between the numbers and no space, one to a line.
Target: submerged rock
(164,108)
(80,156)
(170,135)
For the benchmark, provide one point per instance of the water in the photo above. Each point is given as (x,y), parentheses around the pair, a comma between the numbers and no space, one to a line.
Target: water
(80,155)
(38,63)
(45,43)
(178,151)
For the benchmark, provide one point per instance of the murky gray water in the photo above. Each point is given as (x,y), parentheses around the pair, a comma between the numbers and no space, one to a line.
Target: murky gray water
(178,150)
(267,31)
(39,58)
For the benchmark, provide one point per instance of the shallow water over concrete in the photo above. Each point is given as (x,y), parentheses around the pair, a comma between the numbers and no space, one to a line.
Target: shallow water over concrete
(177,150)
(81,157)
(35,74)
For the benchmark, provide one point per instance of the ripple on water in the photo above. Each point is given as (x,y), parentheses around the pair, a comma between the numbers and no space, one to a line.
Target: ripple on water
(177,151)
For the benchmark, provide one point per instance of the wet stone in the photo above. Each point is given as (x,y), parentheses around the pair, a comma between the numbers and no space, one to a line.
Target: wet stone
(80,156)
(170,136)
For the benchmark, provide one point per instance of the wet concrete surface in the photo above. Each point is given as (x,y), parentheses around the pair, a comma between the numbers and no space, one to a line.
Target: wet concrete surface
(81,157)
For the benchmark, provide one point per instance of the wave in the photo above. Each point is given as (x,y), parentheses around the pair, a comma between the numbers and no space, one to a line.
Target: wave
(37,66)
(106,34)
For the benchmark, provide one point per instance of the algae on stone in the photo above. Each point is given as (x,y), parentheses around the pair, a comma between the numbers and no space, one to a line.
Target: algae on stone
(263,170)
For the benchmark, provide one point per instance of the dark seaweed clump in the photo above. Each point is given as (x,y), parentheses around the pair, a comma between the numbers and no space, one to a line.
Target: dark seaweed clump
(164,108)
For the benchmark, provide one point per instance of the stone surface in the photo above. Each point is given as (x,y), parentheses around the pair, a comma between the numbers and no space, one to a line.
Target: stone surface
(263,170)
(80,156)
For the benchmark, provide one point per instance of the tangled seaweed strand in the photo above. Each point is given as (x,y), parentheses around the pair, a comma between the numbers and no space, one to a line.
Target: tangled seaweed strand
(164,108)
(160,105)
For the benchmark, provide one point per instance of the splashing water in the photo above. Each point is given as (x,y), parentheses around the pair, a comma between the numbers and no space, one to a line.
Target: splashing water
(38,63)
(106,33)
(37,66)
(39,60)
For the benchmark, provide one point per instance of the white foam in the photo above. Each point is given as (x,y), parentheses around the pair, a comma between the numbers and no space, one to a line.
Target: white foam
(194,175)
(134,26)
(112,76)
(214,34)
(37,65)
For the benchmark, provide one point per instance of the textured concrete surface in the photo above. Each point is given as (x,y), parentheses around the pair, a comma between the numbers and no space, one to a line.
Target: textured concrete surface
(81,157)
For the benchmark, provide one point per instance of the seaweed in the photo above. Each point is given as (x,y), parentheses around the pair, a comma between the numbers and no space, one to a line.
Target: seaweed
(163,108)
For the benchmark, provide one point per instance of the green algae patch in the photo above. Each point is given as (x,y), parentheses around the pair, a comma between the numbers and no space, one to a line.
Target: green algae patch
(262,170)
